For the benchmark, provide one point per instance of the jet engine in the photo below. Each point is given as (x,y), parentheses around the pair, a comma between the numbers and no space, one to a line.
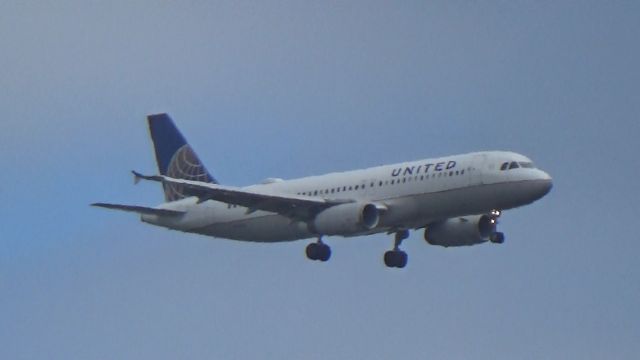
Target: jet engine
(463,231)
(346,219)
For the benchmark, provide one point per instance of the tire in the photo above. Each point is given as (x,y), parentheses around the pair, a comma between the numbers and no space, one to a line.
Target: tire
(312,251)
(402,258)
(324,253)
(389,258)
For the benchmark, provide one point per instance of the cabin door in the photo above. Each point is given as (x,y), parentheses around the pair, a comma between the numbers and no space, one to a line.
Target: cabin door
(475,169)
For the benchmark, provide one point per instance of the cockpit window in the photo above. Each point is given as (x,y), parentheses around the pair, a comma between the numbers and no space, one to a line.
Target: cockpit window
(526,165)
(513,165)
(504,166)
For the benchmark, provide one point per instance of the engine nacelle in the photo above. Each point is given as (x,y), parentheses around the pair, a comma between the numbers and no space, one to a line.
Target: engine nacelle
(461,231)
(346,219)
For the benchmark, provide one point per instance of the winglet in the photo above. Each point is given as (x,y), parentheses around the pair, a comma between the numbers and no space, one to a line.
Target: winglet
(136,177)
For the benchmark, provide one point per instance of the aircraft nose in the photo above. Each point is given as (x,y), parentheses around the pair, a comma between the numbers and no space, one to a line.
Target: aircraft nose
(544,183)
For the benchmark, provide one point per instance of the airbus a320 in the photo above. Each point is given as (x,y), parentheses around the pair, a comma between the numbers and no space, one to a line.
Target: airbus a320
(456,200)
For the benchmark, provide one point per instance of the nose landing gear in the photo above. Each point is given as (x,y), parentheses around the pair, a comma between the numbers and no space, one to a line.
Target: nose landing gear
(396,257)
(497,238)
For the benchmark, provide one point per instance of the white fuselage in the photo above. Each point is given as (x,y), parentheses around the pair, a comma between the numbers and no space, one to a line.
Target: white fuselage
(412,194)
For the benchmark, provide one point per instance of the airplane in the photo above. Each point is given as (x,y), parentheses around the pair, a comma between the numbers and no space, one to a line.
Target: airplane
(456,199)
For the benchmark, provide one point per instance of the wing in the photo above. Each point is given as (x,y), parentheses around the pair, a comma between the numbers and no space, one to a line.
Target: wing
(140,209)
(292,206)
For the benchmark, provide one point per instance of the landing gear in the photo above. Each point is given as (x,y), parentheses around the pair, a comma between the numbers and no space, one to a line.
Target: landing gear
(396,257)
(318,251)
(497,238)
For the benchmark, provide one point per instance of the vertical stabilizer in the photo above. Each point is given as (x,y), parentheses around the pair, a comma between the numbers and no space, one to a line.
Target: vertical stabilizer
(174,156)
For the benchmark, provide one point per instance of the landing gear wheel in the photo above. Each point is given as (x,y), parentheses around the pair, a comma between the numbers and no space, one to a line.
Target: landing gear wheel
(395,258)
(497,238)
(318,251)
(389,258)
(312,251)
(324,253)
(402,259)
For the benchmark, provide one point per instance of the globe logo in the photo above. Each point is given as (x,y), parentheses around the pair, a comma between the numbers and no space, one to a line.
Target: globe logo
(184,165)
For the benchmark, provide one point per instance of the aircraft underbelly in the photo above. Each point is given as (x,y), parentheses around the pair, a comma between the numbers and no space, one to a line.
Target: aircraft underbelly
(265,228)
(404,212)
(419,210)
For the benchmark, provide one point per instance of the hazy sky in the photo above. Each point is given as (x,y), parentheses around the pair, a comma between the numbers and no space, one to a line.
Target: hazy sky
(288,89)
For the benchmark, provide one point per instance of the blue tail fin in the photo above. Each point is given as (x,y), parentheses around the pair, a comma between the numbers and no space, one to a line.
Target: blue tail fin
(174,156)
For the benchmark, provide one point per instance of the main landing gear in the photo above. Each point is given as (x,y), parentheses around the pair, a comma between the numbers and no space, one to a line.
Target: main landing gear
(396,257)
(318,251)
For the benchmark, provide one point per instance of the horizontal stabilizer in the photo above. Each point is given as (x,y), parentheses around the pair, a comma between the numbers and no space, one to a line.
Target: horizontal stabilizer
(140,209)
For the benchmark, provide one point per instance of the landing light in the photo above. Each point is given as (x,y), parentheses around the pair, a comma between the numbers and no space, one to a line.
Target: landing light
(496,213)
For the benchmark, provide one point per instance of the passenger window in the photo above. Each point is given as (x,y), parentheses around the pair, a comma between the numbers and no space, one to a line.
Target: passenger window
(514,165)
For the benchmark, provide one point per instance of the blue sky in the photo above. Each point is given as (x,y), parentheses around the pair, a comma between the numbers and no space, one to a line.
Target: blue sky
(289,89)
